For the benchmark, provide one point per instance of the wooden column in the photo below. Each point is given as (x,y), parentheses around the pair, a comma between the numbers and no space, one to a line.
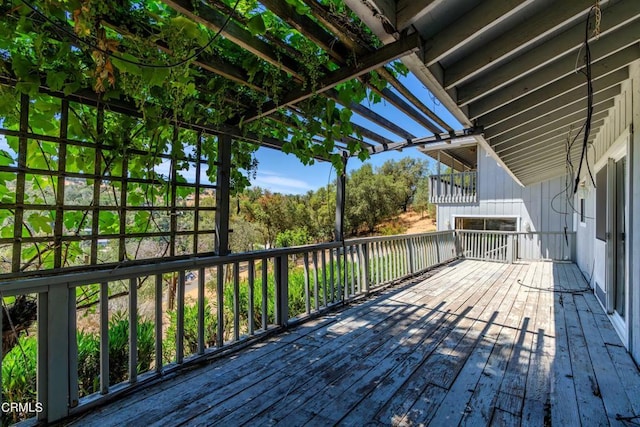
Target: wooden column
(340,201)
(222,195)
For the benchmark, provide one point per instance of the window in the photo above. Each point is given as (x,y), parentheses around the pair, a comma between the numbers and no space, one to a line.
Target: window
(601,204)
(492,224)
(582,209)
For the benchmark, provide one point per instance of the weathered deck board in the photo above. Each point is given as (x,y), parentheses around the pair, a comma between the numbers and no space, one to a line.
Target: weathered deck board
(476,343)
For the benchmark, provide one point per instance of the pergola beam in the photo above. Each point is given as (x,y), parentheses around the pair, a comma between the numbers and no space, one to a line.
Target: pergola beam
(214,20)
(388,53)
(404,91)
(340,50)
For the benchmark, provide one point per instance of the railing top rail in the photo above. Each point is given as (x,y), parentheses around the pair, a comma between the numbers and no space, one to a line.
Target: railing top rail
(396,237)
(524,233)
(114,272)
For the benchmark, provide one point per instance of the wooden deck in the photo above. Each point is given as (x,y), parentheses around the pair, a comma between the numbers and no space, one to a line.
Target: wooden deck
(475,344)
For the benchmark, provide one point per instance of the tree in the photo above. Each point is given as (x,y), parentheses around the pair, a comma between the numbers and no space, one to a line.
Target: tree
(421,198)
(407,173)
(368,200)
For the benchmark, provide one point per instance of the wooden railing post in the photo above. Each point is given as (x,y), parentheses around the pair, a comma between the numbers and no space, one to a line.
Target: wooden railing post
(55,348)
(510,249)
(282,289)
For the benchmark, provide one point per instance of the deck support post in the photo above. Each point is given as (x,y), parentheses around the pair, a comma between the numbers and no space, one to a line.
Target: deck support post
(340,201)
(56,327)
(222,194)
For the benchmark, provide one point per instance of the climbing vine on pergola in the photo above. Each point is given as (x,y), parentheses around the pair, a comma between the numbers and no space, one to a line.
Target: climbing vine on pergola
(130,100)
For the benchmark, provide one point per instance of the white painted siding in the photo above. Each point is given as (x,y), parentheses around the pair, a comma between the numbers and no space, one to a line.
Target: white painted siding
(500,195)
(592,253)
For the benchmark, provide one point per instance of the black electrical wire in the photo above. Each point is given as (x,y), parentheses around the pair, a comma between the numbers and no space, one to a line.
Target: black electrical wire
(587,124)
(120,58)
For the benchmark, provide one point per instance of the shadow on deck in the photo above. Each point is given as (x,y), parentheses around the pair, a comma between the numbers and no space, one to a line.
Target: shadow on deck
(476,343)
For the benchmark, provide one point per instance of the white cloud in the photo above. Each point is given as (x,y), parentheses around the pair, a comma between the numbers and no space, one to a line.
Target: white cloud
(279,183)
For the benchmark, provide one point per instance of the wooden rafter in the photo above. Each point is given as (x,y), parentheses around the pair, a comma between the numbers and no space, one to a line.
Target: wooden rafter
(388,53)
(215,20)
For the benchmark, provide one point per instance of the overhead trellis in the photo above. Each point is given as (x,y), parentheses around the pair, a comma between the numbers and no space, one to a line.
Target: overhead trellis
(128,101)
(252,69)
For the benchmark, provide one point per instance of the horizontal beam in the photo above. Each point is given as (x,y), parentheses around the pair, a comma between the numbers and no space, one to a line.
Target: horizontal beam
(543,117)
(570,81)
(404,91)
(515,40)
(540,102)
(485,16)
(409,11)
(387,53)
(555,67)
(434,139)
(547,152)
(548,139)
(559,125)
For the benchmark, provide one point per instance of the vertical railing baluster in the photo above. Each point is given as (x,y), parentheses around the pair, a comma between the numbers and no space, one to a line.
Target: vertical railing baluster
(339,258)
(104,338)
(236,301)
(332,278)
(180,317)
(158,326)
(377,262)
(352,268)
(281,276)
(366,255)
(133,330)
(73,349)
(314,260)
(220,305)
(250,295)
(324,277)
(307,302)
(201,302)
(42,371)
(357,267)
(265,294)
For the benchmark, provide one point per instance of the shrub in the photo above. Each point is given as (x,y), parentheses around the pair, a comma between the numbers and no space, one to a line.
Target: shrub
(19,376)
(190,330)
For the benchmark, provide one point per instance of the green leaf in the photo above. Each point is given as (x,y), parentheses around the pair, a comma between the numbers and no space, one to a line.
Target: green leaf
(125,66)
(40,222)
(256,25)
(55,80)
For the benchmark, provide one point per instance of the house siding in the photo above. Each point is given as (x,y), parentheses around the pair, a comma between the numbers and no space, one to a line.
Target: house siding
(592,254)
(500,195)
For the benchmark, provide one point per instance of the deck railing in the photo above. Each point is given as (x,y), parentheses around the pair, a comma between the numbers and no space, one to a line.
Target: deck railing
(192,309)
(458,187)
(505,246)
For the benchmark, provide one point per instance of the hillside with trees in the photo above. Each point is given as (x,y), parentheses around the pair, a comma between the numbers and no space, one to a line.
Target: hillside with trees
(374,200)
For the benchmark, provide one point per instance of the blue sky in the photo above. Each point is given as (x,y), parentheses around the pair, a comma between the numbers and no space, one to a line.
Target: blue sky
(284,173)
